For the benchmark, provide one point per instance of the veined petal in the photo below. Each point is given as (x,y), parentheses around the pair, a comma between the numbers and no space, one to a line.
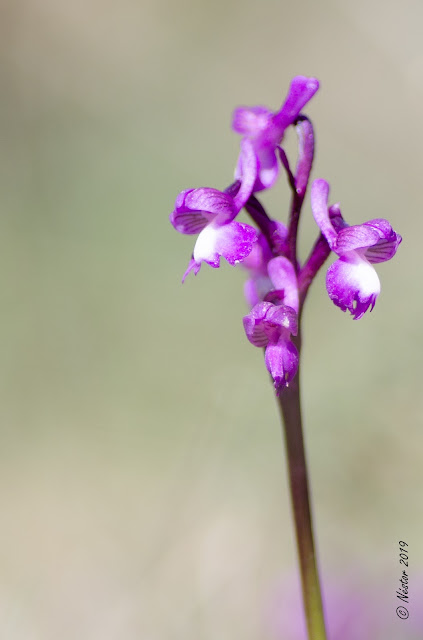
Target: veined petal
(376,236)
(387,245)
(233,241)
(319,206)
(255,325)
(353,284)
(196,208)
(210,202)
(267,322)
(189,222)
(282,362)
(282,275)
(359,236)
(384,250)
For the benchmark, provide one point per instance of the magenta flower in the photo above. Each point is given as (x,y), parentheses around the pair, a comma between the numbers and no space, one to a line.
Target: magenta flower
(211,213)
(266,129)
(352,281)
(271,323)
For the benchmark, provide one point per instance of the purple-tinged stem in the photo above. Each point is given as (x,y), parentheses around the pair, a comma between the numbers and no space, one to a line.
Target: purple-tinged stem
(318,255)
(304,164)
(290,408)
(285,163)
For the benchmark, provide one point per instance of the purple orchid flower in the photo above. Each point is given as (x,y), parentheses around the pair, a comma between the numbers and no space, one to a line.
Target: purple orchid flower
(271,323)
(352,282)
(266,129)
(210,213)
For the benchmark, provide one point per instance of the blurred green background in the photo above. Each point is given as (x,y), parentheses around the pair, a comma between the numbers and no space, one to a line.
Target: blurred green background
(143,487)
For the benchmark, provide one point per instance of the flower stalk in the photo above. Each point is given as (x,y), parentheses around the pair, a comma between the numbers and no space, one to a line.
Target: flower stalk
(278,283)
(290,409)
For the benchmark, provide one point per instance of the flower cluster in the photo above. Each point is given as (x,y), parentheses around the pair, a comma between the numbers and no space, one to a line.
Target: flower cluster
(277,282)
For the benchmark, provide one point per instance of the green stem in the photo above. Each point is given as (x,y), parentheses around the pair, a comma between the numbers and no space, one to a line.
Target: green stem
(289,404)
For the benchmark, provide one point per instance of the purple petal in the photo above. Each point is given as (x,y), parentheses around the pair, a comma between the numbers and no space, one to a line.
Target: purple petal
(384,250)
(196,208)
(319,206)
(256,262)
(282,362)
(376,236)
(234,241)
(305,155)
(336,218)
(387,245)
(255,326)
(251,121)
(256,289)
(353,284)
(267,322)
(186,220)
(359,236)
(301,90)
(193,266)
(189,223)
(267,168)
(282,275)
(285,317)
(249,174)
(211,202)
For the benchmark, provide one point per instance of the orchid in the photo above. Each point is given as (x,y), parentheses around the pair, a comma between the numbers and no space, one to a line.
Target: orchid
(266,129)
(352,281)
(278,282)
(211,214)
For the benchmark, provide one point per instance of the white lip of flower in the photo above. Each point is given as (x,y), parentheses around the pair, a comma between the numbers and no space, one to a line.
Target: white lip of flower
(364,275)
(205,246)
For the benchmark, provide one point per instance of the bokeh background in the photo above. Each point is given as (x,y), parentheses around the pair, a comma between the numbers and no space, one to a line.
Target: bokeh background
(143,492)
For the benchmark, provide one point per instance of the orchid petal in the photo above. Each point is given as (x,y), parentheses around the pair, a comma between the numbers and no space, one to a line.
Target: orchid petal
(249,174)
(282,363)
(255,325)
(250,121)
(319,206)
(359,236)
(196,208)
(301,90)
(234,241)
(193,266)
(353,284)
(387,245)
(267,322)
